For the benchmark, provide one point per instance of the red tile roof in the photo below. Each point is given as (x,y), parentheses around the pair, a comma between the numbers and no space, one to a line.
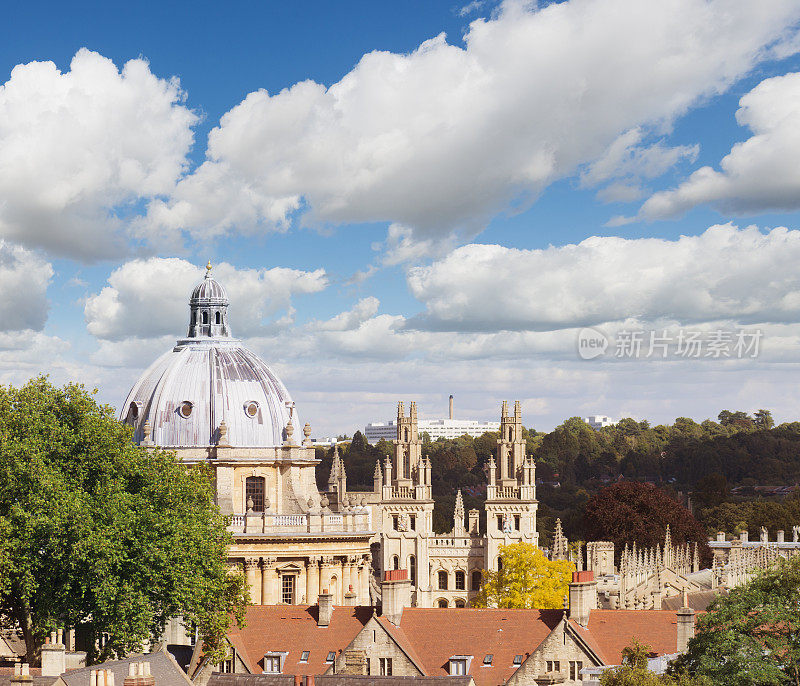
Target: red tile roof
(436,634)
(293,629)
(613,630)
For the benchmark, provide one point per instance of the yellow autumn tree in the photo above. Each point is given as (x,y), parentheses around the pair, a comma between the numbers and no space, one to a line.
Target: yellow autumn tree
(526,578)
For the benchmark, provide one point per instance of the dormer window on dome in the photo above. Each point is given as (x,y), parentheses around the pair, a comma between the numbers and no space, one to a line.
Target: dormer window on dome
(185,409)
(251,408)
(208,309)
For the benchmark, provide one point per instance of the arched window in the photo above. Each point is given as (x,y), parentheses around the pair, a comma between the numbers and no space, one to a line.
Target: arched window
(405,434)
(442,580)
(412,569)
(407,466)
(461,581)
(511,473)
(194,317)
(499,564)
(217,318)
(205,317)
(476,580)
(510,433)
(254,490)
(395,562)
(441,602)
(460,602)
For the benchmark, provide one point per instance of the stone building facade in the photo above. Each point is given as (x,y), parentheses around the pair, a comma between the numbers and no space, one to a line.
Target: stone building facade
(213,401)
(445,569)
(495,647)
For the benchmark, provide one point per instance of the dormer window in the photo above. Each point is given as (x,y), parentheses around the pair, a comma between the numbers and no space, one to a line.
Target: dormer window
(273,662)
(305,655)
(331,657)
(251,408)
(459,665)
(517,660)
(487,661)
(185,409)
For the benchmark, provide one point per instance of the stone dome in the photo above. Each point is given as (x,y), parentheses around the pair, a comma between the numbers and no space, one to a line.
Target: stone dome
(206,378)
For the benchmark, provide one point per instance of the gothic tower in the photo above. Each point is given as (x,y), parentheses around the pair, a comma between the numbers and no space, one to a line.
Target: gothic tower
(406,506)
(511,490)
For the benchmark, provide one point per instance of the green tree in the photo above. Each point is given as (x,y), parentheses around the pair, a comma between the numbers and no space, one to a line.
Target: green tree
(526,578)
(634,672)
(750,636)
(763,419)
(100,534)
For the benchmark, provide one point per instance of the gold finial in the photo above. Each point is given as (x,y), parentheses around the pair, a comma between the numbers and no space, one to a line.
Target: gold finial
(208,268)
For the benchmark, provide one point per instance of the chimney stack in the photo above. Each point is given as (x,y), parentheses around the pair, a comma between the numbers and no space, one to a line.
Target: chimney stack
(325,608)
(451,406)
(582,597)
(101,677)
(54,655)
(780,537)
(395,595)
(139,675)
(22,675)
(685,626)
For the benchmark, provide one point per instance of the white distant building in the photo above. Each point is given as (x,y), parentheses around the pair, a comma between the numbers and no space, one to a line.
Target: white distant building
(598,421)
(435,428)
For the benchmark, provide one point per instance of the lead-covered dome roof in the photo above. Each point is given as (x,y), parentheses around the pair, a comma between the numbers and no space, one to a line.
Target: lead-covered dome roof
(205,379)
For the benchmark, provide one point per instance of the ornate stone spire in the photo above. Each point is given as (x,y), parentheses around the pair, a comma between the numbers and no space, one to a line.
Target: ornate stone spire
(458,516)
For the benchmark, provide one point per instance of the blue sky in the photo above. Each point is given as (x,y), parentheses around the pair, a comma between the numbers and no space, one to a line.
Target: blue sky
(400,215)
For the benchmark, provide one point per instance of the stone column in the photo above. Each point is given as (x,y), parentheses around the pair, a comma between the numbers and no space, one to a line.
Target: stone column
(312,580)
(349,574)
(251,570)
(268,580)
(325,575)
(339,567)
(363,582)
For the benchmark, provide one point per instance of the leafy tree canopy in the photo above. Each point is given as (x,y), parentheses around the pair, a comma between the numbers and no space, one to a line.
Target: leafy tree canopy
(634,672)
(98,533)
(632,512)
(526,579)
(751,635)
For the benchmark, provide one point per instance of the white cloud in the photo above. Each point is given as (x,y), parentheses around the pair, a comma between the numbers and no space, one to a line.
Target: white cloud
(77,148)
(24,278)
(630,159)
(759,174)
(441,139)
(724,273)
(149,298)
(345,321)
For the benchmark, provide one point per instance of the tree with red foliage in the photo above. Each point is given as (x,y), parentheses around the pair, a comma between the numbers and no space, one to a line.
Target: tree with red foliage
(633,512)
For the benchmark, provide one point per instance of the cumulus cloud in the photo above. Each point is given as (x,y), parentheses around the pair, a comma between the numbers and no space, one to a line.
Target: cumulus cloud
(78,148)
(441,139)
(724,273)
(759,174)
(24,278)
(149,298)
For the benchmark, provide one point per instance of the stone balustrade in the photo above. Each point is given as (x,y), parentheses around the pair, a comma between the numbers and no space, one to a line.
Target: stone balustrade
(272,524)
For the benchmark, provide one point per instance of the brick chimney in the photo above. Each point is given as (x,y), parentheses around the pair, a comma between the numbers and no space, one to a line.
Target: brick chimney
(395,594)
(139,675)
(325,608)
(54,655)
(582,597)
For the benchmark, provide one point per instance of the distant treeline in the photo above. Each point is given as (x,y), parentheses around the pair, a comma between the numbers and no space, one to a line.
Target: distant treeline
(704,461)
